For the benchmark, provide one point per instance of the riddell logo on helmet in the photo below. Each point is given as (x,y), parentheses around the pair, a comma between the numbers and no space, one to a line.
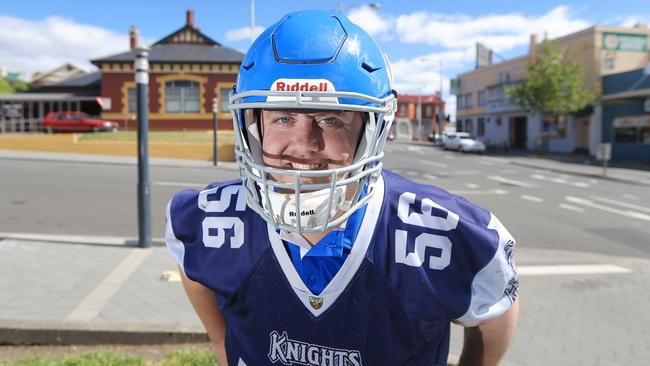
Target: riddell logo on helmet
(317,85)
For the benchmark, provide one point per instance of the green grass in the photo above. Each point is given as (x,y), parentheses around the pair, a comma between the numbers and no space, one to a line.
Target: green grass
(101,358)
(158,136)
(182,357)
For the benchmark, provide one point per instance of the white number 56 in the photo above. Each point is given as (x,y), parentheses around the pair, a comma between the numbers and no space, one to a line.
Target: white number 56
(424,240)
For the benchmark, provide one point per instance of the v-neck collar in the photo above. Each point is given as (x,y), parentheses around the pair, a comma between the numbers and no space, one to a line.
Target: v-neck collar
(318,304)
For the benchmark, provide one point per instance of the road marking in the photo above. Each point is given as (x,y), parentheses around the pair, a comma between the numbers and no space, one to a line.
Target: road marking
(74,239)
(630,196)
(449,157)
(430,177)
(560,181)
(569,269)
(471,185)
(532,198)
(511,182)
(590,203)
(466,172)
(90,307)
(440,165)
(411,173)
(488,163)
(179,184)
(619,203)
(491,191)
(571,208)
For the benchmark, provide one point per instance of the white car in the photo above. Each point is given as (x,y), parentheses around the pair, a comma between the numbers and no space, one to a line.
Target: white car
(462,141)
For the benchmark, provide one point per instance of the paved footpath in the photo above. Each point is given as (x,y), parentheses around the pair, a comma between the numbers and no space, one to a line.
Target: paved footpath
(593,314)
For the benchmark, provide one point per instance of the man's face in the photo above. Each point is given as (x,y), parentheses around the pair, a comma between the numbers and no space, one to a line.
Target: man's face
(309,141)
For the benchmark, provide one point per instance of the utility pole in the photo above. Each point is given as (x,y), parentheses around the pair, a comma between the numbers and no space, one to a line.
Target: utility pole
(252,22)
(419,115)
(144,199)
(441,113)
(215,127)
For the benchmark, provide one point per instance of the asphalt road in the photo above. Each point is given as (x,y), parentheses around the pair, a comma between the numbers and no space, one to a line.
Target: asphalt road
(542,210)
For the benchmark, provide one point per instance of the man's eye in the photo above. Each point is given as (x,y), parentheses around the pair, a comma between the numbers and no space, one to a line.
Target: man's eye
(329,121)
(281,120)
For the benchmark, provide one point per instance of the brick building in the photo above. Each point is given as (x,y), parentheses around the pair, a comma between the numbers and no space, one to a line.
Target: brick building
(187,69)
(406,118)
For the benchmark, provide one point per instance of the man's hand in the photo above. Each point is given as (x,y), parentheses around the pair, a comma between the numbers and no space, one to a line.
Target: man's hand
(486,343)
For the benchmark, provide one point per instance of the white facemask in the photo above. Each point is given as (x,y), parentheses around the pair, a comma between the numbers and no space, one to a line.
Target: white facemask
(313,207)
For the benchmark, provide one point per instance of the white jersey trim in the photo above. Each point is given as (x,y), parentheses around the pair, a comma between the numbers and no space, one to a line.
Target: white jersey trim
(494,288)
(349,268)
(171,241)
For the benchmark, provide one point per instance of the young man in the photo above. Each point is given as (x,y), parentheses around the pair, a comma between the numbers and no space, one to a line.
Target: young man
(317,257)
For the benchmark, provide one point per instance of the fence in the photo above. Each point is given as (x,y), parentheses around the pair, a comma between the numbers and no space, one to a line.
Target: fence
(21,125)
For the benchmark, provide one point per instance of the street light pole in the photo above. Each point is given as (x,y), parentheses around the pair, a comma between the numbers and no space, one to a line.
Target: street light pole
(252,22)
(215,127)
(441,113)
(419,115)
(144,199)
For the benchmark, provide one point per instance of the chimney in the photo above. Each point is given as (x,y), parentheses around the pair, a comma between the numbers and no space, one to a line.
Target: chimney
(133,37)
(189,18)
(532,53)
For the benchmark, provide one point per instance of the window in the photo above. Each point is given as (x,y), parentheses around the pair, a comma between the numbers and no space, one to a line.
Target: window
(402,109)
(132,95)
(481,127)
(459,102)
(632,130)
(480,98)
(468,100)
(469,126)
(182,97)
(428,111)
(224,95)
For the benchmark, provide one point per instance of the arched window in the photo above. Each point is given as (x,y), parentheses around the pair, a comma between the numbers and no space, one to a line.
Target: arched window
(182,96)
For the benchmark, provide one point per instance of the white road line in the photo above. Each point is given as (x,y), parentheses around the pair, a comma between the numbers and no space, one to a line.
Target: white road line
(411,173)
(92,305)
(630,196)
(590,203)
(569,269)
(560,181)
(488,163)
(571,208)
(619,203)
(449,157)
(511,182)
(491,191)
(73,239)
(179,184)
(426,162)
(471,185)
(532,198)
(429,176)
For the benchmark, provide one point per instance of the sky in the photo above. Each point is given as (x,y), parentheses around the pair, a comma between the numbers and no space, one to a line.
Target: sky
(418,36)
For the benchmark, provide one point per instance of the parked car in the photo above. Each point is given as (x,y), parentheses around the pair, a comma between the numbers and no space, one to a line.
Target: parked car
(464,142)
(76,122)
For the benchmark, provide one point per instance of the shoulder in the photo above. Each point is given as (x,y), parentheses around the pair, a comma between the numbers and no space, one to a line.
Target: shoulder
(443,246)
(209,232)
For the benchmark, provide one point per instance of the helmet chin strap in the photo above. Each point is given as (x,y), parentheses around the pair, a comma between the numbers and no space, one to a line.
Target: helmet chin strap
(312,210)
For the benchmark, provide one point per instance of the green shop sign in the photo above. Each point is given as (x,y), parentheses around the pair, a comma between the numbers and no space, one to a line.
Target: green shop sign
(625,42)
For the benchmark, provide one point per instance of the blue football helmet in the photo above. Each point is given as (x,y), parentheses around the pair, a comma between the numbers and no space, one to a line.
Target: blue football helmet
(312,60)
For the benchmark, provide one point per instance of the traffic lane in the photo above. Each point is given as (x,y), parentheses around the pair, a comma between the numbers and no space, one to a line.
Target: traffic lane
(88,199)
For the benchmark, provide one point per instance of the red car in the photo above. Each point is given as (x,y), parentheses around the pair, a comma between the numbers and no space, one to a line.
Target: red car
(76,122)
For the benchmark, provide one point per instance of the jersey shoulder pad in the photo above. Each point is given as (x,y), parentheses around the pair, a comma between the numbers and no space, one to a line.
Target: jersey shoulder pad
(454,250)
(209,233)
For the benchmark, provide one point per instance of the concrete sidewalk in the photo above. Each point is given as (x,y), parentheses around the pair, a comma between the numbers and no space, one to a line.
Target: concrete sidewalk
(59,293)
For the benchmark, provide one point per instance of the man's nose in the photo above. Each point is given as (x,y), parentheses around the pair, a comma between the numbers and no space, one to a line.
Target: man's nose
(307,137)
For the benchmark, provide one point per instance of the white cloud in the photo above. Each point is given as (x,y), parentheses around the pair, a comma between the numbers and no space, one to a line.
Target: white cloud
(632,20)
(28,46)
(500,32)
(243,33)
(421,75)
(376,24)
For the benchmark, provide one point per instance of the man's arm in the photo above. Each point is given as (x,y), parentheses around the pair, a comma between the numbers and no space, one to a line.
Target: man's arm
(486,343)
(204,301)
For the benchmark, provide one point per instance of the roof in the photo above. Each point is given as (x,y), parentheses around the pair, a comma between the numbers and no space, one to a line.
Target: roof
(180,52)
(403,98)
(43,97)
(198,36)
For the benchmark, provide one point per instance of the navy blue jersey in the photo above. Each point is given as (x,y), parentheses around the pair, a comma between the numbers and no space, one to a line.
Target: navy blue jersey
(422,259)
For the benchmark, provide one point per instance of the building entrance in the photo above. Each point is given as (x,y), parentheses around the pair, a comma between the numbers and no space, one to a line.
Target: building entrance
(518,136)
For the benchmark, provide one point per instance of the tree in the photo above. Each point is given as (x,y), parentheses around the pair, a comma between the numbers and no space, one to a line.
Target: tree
(5,86)
(553,87)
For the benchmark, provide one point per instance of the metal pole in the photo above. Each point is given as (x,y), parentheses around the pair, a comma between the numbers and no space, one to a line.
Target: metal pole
(215,127)
(252,22)
(419,115)
(441,112)
(144,200)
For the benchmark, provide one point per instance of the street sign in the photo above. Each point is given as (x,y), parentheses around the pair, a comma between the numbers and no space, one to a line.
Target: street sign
(104,102)
(604,151)
(625,42)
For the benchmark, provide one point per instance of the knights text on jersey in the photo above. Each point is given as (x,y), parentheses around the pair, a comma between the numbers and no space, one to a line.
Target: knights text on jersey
(422,258)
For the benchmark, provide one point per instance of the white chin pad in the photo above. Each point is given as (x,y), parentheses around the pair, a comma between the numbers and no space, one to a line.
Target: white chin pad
(313,207)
